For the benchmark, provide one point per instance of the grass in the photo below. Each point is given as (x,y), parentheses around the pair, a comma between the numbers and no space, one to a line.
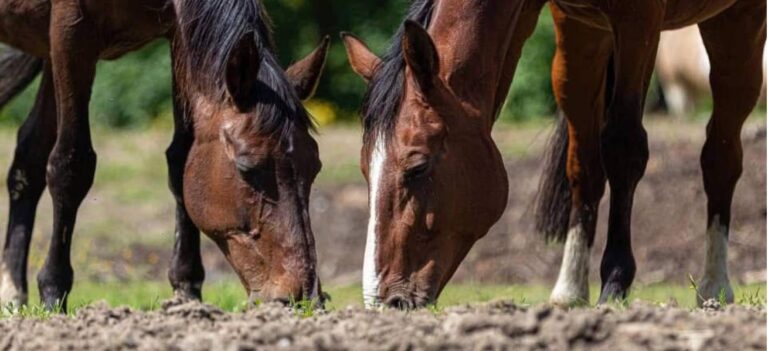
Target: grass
(229,296)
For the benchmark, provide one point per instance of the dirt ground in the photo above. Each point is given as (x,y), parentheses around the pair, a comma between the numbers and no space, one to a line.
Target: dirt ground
(495,326)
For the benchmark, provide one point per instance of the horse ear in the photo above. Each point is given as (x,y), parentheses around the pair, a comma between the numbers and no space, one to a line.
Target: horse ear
(305,74)
(242,73)
(420,55)
(363,61)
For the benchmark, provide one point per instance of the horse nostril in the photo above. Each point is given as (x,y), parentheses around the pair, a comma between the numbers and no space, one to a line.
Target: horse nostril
(400,302)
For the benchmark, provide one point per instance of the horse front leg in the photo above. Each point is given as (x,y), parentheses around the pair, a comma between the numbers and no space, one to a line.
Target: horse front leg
(72,162)
(581,95)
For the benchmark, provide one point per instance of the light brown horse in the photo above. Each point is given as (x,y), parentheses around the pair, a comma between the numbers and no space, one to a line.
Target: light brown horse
(241,161)
(436,179)
(601,71)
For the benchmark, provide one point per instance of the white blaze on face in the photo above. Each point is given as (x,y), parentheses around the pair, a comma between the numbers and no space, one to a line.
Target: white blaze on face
(715,280)
(572,286)
(370,274)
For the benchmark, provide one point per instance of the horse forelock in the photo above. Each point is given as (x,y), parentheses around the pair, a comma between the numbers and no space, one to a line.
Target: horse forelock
(208,31)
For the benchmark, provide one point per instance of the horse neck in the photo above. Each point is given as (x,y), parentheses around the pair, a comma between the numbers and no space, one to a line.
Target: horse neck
(472,40)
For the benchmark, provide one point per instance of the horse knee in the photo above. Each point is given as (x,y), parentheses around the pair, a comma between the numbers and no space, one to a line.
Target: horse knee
(625,154)
(70,175)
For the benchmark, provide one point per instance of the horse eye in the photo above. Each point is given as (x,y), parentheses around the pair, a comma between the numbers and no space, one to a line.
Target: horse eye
(417,170)
(253,170)
(249,163)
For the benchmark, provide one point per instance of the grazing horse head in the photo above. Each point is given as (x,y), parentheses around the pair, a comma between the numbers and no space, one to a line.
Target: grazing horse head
(252,161)
(436,179)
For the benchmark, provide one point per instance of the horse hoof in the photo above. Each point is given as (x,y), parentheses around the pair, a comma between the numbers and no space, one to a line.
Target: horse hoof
(613,292)
(719,290)
(568,301)
(569,294)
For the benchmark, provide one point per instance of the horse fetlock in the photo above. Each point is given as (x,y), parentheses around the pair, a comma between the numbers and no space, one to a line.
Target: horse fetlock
(55,285)
(613,291)
(718,288)
(572,287)
(10,293)
(188,290)
(715,283)
(617,272)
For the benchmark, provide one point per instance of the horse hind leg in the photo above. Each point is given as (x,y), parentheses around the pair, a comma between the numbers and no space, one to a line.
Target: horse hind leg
(26,182)
(624,142)
(580,94)
(186,273)
(734,40)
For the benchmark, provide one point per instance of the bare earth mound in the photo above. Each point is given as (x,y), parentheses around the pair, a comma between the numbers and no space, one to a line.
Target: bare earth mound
(194,326)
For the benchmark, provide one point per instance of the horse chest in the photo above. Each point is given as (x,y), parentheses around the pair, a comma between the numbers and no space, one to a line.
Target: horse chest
(677,13)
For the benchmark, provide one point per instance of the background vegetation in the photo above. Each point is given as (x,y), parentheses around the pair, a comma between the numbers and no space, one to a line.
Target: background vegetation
(134,91)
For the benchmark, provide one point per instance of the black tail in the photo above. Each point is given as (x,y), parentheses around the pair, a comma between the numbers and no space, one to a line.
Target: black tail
(553,202)
(17,70)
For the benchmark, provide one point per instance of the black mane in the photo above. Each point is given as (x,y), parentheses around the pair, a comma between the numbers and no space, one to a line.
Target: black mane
(385,90)
(208,30)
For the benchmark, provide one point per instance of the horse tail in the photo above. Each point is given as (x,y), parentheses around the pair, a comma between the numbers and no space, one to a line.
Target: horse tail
(17,70)
(553,201)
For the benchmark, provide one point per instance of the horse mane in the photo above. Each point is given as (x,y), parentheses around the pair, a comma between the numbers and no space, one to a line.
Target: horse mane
(208,31)
(386,89)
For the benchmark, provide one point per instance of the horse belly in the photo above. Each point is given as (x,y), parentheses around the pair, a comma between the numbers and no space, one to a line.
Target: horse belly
(583,12)
(126,25)
(24,25)
(681,13)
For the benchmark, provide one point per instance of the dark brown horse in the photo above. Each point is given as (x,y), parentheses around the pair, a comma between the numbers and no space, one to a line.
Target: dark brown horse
(436,179)
(604,60)
(241,161)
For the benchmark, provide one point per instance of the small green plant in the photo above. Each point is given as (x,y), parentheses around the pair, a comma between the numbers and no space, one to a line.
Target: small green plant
(618,303)
(695,287)
(722,298)
(434,308)
(29,311)
(755,298)
(304,308)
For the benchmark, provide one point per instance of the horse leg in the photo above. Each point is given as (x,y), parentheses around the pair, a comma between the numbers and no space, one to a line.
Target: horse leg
(624,142)
(26,182)
(580,93)
(72,162)
(734,40)
(186,273)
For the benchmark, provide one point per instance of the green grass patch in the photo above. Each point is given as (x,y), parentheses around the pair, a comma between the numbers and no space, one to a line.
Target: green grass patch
(229,296)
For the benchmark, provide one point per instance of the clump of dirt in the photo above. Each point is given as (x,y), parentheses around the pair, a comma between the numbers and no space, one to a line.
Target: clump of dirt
(500,325)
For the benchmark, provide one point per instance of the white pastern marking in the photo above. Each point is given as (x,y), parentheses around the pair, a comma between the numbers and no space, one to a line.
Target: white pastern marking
(370,274)
(715,279)
(9,294)
(572,287)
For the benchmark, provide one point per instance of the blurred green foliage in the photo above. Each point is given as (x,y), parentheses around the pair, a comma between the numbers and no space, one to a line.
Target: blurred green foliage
(134,91)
